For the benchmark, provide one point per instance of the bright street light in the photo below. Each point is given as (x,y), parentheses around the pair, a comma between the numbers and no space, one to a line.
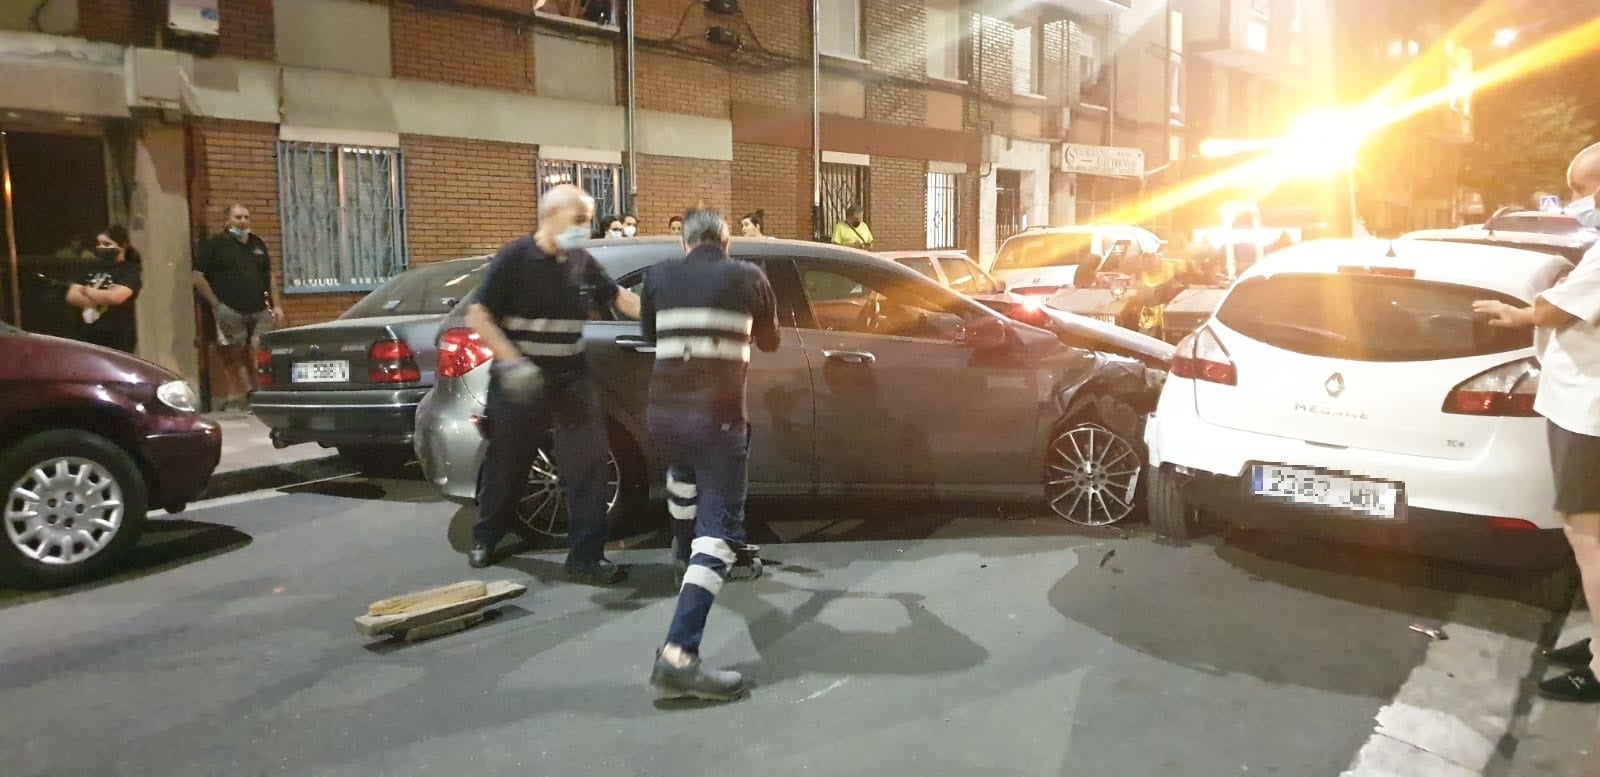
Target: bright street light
(1504,37)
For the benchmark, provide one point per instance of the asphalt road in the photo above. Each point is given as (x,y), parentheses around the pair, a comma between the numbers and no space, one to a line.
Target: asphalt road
(885,640)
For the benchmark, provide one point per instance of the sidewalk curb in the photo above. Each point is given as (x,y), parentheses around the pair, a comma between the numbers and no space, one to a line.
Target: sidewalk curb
(1551,739)
(270,476)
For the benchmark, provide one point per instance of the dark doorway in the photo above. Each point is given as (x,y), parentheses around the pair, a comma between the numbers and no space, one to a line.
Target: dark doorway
(58,195)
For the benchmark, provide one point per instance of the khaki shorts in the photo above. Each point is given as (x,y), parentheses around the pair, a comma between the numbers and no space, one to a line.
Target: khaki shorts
(235,328)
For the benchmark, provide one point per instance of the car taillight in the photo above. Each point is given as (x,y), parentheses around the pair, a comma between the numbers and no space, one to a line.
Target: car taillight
(1506,391)
(263,367)
(460,352)
(391,361)
(1200,356)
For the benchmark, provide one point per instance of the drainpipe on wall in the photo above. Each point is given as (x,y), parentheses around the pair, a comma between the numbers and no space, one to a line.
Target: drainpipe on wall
(816,118)
(629,116)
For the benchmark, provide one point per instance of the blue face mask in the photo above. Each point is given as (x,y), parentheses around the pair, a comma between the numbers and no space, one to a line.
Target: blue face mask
(571,237)
(239,233)
(1585,211)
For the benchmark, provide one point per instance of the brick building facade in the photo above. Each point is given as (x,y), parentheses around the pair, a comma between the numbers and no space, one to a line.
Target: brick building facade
(427,129)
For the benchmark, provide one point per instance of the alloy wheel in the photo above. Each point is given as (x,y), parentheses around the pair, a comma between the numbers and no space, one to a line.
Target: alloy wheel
(545,509)
(1092,475)
(63,511)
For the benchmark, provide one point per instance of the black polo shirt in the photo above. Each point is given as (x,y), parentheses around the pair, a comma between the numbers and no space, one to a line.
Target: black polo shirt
(240,273)
(541,303)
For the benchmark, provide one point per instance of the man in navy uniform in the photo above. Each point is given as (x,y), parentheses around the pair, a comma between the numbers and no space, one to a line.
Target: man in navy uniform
(537,294)
(703,312)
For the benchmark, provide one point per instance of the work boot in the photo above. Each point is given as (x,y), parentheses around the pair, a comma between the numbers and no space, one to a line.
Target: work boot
(481,555)
(695,681)
(1572,656)
(601,572)
(1578,685)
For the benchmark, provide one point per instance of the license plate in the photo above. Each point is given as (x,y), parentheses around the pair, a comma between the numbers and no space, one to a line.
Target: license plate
(1376,498)
(321,372)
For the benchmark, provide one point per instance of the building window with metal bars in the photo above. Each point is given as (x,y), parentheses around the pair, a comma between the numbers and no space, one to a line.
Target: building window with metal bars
(343,216)
(944,210)
(603,182)
(843,185)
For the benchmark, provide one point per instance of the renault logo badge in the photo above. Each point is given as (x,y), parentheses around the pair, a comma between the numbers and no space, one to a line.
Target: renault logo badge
(1335,385)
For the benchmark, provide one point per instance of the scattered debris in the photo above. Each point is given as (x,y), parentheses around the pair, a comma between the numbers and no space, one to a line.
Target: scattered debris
(1433,632)
(435,612)
(983,566)
(1107,556)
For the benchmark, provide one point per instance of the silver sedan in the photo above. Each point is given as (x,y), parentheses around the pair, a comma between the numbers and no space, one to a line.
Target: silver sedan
(885,384)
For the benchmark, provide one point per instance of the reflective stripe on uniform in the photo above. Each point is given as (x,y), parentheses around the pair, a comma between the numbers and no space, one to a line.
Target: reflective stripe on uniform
(519,324)
(535,348)
(702,348)
(714,547)
(704,318)
(702,577)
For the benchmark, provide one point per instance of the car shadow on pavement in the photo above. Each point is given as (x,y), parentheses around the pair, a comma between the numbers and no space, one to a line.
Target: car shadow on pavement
(167,543)
(1374,577)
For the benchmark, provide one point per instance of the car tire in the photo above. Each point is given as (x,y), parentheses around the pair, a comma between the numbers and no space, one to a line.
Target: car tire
(109,473)
(1170,513)
(382,461)
(625,468)
(1087,463)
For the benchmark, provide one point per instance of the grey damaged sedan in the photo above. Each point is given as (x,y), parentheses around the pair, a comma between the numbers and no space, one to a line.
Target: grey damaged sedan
(885,384)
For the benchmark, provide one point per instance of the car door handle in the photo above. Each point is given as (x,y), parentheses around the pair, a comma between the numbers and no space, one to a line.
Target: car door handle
(638,344)
(851,357)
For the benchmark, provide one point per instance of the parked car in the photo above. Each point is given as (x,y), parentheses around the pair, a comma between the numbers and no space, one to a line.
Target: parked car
(1512,220)
(954,271)
(1346,389)
(1041,261)
(354,383)
(1570,247)
(885,383)
(90,440)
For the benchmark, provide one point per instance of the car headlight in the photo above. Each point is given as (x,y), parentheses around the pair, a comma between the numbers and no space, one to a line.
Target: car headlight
(177,395)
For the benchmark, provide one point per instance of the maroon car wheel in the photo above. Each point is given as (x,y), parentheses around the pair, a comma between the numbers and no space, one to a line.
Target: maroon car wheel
(74,503)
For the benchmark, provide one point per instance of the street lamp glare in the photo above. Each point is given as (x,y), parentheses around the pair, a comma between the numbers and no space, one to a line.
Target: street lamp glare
(1504,37)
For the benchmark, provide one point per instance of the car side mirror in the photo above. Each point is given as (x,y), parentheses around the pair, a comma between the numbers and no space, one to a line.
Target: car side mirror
(985,334)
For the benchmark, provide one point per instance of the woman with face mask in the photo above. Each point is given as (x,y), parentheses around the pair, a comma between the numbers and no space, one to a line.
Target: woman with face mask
(106,294)
(611,226)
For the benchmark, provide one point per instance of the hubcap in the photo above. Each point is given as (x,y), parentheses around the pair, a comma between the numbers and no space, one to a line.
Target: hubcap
(1091,475)
(545,509)
(63,511)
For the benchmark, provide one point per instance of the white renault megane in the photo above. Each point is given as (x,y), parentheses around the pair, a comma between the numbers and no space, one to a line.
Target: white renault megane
(1346,389)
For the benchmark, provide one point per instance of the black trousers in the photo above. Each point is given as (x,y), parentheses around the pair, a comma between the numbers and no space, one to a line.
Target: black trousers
(571,411)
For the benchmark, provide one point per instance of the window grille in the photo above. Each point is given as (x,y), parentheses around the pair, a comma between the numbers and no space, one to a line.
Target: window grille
(343,216)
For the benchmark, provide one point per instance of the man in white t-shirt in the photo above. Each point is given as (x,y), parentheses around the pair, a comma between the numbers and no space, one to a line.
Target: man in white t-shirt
(1567,334)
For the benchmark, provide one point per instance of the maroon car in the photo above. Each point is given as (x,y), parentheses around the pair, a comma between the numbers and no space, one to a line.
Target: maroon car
(90,440)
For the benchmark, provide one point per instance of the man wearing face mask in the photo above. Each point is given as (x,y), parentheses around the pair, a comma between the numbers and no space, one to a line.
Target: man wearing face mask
(233,274)
(532,305)
(703,311)
(1566,322)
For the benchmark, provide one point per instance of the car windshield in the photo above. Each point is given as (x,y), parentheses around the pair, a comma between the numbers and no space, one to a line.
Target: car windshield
(434,288)
(1571,253)
(1369,318)
(1025,252)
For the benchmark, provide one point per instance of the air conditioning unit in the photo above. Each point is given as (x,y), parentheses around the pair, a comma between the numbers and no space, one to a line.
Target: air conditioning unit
(197,18)
(153,79)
